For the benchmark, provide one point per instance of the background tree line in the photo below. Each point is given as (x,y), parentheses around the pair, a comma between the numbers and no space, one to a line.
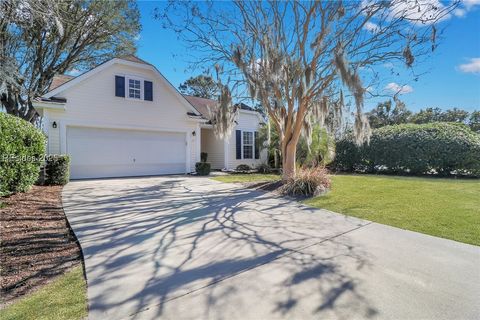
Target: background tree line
(389,113)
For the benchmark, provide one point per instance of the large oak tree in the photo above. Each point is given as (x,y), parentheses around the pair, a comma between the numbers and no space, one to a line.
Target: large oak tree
(295,58)
(41,38)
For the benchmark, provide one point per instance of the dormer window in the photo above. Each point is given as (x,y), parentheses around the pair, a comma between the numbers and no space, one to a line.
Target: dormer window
(134,88)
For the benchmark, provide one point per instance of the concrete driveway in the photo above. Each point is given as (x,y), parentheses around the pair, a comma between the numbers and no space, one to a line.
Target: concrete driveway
(193,248)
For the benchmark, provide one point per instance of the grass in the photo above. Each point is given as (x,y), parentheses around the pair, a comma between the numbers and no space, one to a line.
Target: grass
(447,208)
(65,298)
(245,178)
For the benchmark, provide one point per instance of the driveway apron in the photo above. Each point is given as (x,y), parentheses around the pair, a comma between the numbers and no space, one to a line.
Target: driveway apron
(178,247)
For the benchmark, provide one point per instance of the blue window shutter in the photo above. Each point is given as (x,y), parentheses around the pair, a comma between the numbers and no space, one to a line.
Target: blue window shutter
(148,90)
(120,86)
(238,136)
(257,146)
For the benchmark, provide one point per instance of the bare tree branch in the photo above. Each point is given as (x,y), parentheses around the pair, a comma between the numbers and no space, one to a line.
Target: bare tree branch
(295,57)
(41,38)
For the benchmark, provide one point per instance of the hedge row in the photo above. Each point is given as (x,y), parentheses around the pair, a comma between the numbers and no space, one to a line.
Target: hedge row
(22,147)
(433,148)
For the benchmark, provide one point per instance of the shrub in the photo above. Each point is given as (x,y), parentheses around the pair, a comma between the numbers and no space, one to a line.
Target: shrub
(22,147)
(203,156)
(243,167)
(57,170)
(264,168)
(41,176)
(442,148)
(202,168)
(307,182)
(347,156)
(320,151)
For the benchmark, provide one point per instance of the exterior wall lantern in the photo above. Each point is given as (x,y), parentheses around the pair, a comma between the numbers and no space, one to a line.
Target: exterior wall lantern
(54,125)
(194,133)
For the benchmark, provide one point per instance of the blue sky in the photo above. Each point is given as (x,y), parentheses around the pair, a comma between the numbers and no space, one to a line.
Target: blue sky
(447,84)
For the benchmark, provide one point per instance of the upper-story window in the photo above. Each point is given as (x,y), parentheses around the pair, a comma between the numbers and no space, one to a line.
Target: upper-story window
(134,89)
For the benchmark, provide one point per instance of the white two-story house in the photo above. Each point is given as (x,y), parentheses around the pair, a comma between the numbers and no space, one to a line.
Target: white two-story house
(123,118)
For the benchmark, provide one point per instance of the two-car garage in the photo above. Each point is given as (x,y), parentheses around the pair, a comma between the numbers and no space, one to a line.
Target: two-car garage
(100,152)
(121,119)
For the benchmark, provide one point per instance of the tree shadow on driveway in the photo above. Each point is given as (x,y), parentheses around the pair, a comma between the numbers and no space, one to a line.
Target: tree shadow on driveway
(150,242)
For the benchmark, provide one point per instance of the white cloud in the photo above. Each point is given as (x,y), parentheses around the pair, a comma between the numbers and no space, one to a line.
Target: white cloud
(372,27)
(388,65)
(466,6)
(398,89)
(428,11)
(473,66)
(459,12)
(74,72)
(470,3)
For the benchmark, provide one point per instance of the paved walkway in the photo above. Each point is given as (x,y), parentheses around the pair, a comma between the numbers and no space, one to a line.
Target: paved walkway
(192,248)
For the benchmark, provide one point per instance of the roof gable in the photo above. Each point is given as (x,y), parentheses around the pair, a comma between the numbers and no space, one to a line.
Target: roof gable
(128,61)
(133,58)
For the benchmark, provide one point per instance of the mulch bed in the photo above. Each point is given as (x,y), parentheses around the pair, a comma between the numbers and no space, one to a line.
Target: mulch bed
(36,244)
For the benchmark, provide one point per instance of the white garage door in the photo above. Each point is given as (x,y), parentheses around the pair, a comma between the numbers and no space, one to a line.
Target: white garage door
(100,153)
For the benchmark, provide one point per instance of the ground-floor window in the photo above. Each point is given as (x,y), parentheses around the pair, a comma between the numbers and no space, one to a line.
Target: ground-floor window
(247,145)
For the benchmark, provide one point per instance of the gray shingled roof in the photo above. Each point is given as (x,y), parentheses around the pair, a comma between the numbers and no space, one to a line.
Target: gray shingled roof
(203,105)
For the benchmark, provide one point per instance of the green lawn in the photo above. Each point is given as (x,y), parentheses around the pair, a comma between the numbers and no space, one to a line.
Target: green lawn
(447,208)
(65,298)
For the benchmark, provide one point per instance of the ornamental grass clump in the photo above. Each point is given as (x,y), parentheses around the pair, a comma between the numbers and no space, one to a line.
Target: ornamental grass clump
(308,182)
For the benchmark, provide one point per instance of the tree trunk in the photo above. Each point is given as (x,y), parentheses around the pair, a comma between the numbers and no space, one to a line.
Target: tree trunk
(288,161)
(16,106)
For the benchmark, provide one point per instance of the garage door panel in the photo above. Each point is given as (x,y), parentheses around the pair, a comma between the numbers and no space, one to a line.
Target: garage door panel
(97,153)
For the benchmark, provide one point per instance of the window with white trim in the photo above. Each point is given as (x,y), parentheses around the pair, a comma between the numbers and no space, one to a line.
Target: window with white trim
(134,88)
(247,145)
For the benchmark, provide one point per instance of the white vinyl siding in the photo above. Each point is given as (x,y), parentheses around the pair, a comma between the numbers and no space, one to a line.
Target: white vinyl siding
(246,121)
(214,147)
(53,139)
(93,103)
